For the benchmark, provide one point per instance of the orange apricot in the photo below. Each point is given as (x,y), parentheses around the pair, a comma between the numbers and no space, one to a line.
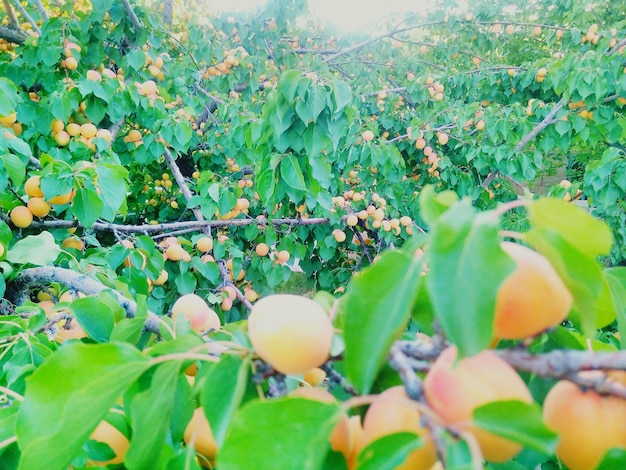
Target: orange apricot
(38,206)
(588,424)
(391,412)
(455,389)
(532,298)
(199,434)
(21,216)
(262,249)
(197,311)
(117,441)
(291,333)
(32,186)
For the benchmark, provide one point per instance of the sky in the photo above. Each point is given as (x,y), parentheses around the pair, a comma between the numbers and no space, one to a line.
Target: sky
(346,15)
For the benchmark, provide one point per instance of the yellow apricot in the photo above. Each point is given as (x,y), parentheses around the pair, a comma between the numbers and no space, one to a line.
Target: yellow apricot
(282,256)
(118,442)
(532,298)
(73,129)
(197,311)
(588,424)
(88,130)
(340,437)
(73,242)
(455,389)
(199,434)
(8,120)
(38,206)
(391,412)
(32,186)
(62,138)
(21,217)
(262,249)
(291,333)
(71,63)
(205,244)
(314,377)
(367,135)
(63,198)
(175,252)
(56,126)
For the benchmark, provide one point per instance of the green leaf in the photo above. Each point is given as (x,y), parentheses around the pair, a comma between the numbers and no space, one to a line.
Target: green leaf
(263,428)
(388,452)
(112,184)
(467,267)
(8,416)
(224,387)
(291,173)
(379,305)
(613,459)
(616,278)
(150,412)
(517,421)
(8,96)
(433,205)
(15,168)
(342,96)
(67,396)
(87,206)
(288,84)
(39,250)
(576,226)
(94,316)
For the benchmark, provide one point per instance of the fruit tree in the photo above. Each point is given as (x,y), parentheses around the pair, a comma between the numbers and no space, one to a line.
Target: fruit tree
(252,241)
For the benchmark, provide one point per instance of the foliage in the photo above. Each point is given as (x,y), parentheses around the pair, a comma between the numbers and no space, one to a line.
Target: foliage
(376,173)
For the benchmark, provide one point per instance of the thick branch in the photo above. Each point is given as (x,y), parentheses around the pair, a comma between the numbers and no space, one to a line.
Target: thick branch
(42,11)
(15,24)
(26,16)
(132,15)
(16,36)
(32,277)
(549,119)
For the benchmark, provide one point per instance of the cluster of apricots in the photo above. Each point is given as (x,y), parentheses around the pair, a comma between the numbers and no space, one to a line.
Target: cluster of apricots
(371,212)
(86,133)
(37,205)
(232,59)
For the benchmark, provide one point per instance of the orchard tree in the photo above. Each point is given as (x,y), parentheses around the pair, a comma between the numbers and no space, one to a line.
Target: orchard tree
(251,241)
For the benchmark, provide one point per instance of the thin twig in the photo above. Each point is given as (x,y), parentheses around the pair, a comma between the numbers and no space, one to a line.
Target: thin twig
(27,17)
(42,11)
(132,16)
(549,119)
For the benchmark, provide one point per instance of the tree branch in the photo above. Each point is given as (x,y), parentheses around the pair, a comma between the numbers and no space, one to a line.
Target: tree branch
(26,16)
(42,11)
(16,36)
(549,119)
(132,15)
(18,290)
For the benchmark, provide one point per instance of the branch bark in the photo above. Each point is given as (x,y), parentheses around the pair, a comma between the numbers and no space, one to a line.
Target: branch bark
(18,290)
(549,119)
(16,36)
(132,15)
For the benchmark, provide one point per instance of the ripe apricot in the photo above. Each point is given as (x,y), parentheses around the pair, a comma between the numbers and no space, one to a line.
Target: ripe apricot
(175,252)
(291,333)
(73,129)
(62,198)
(282,256)
(314,377)
(588,424)
(455,389)
(71,63)
(32,186)
(358,440)
(56,126)
(38,206)
(367,135)
(73,242)
(198,432)
(62,138)
(205,244)
(262,249)
(8,120)
(391,412)
(88,130)
(118,442)
(532,298)
(162,279)
(105,135)
(197,311)
(340,437)
(21,217)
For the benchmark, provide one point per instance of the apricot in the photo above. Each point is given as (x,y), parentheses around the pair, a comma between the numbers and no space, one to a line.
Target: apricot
(262,249)
(532,298)
(199,431)
(391,412)
(117,441)
(314,377)
(282,256)
(197,311)
(176,252)
(455,390)
(291,333)
(63,198)
(340,438)
(88,130)
(205,244)
(358,440)
(32,186)
(21,217)
(38,206)
(62,138)
(588,424)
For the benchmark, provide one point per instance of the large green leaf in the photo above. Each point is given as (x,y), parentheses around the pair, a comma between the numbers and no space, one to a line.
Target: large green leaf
(517,421)
(224,387)
(150,412)
(379,306)
(576,226)
(112,183)
(467,267)
(87,206)
(616,278)
(66,398)
(8,96)
(39,250)
(94,316)
(291,173)
(290,433)
(432,205)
